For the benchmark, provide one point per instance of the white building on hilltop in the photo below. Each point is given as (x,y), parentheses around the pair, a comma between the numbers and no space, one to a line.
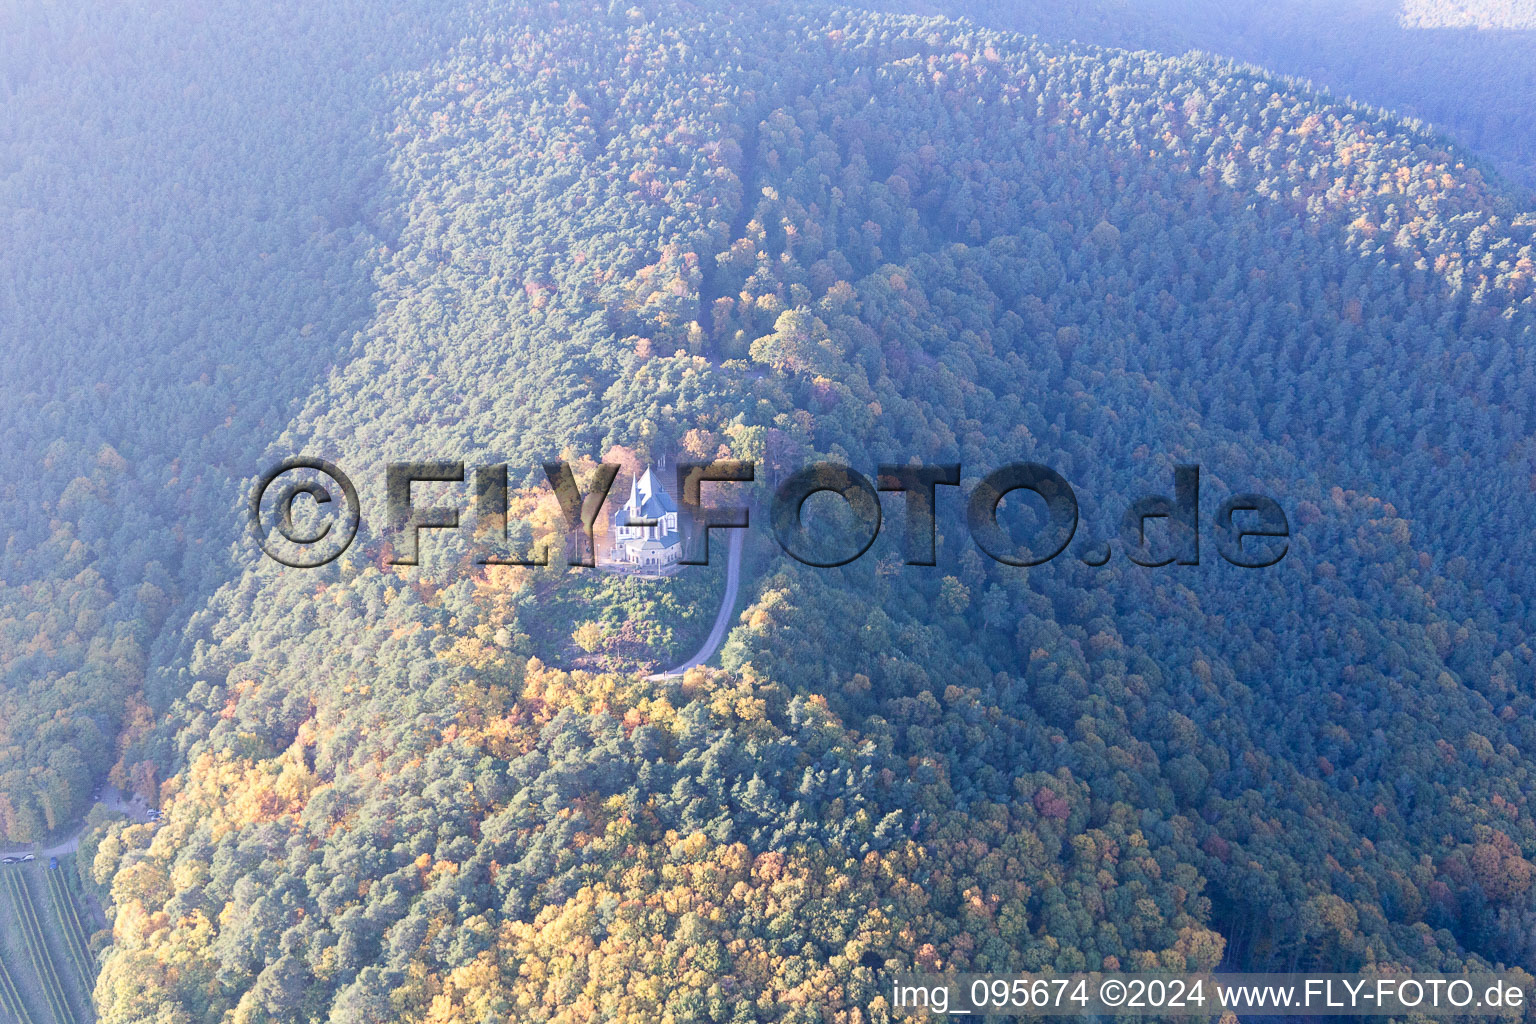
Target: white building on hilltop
(645,531)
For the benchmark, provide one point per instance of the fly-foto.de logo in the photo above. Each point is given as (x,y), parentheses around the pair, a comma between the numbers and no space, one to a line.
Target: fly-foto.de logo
(305,513)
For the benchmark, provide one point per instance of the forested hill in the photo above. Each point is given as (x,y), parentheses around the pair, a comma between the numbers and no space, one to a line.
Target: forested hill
(1466,66)
(511,232)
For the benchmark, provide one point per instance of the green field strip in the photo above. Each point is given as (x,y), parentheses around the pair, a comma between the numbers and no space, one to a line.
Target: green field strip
(68,916)
(10,997)
(37,948)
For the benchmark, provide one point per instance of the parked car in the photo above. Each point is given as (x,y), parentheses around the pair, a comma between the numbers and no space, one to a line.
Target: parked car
(53,863)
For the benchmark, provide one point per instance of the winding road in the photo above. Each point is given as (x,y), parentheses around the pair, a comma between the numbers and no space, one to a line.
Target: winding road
(722,618)
(137,812)
(113,798)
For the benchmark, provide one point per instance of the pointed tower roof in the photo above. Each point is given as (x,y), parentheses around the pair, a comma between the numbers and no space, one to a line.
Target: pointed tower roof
(654,502)
(648,501)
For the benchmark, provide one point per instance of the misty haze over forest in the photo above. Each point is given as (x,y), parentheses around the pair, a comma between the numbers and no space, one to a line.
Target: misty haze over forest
(1293,244)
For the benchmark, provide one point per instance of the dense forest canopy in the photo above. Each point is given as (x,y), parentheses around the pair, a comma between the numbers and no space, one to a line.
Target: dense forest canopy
(1466,66)
(784,233)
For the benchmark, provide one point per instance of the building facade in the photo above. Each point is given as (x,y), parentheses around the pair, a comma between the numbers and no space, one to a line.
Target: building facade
(645,530)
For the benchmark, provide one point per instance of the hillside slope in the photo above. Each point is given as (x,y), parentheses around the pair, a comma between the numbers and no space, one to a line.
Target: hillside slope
(1466,66)
(782,234)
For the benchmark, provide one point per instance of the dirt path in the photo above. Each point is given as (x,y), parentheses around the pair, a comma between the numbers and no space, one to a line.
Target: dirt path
(723,617)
